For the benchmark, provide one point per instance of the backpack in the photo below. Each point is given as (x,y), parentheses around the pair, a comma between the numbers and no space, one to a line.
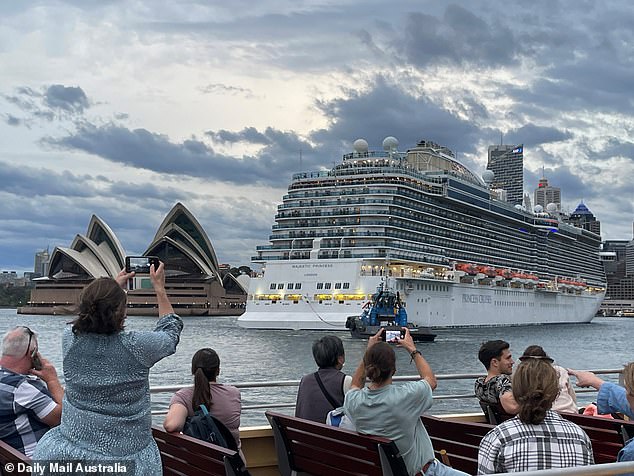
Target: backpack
(204,426)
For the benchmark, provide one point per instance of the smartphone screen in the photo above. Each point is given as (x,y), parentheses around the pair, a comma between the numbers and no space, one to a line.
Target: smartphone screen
(140,264)
(392,336)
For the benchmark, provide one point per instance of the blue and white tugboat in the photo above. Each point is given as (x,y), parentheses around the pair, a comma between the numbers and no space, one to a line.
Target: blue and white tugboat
(388,311)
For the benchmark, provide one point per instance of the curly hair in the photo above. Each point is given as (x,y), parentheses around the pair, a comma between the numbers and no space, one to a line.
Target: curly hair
(102,308)
(380,362)
(535,388)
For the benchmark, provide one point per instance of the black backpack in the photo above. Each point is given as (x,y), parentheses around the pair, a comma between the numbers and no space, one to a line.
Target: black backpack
(204,426)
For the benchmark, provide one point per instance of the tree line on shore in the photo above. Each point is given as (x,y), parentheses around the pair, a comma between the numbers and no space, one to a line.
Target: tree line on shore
(14,296)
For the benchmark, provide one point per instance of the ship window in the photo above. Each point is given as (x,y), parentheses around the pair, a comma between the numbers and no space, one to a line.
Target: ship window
(346,285)
(289,286)
(272,286)
(298,285)
(327,285)
(320,285)
(337,285)
(280,286)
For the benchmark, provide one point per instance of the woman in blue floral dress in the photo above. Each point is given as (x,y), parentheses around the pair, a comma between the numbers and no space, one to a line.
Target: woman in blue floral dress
(106,407)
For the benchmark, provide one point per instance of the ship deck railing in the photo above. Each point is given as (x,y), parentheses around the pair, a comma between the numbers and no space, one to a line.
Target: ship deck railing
(280,384)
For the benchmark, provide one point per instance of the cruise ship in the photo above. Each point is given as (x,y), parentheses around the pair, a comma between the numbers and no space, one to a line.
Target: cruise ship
(424,225)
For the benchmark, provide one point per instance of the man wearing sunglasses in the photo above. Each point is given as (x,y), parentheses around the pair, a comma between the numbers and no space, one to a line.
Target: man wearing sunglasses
(30,391)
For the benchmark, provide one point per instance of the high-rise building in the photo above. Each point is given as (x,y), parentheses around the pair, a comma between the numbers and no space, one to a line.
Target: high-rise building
(582,217)
(545,194)
(40,268)
(507,164)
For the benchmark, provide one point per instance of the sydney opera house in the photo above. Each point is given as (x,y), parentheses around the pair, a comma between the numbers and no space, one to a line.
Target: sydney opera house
(194,282)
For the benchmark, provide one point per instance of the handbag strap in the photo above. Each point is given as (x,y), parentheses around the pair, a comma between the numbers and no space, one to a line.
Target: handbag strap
(329,397)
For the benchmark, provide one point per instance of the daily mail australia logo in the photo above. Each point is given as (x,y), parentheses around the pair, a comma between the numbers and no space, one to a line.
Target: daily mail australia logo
(518,150)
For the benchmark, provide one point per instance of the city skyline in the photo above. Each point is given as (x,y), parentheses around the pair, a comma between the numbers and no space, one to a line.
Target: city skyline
(122,109)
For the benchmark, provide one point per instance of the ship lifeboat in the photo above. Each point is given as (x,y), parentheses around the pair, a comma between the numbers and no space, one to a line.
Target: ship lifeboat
(488,271)
(468,268)
(503,273)
(532,277)
(564,283)
(518,278)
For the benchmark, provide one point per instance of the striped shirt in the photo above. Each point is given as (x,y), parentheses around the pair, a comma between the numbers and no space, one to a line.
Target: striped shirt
(24,401)
(514,446)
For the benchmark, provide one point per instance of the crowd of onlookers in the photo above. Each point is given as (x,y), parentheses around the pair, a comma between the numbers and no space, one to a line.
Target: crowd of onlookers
(530,400)
(103,413)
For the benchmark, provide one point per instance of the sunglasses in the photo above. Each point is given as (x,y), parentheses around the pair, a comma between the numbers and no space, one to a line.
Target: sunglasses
(28,346)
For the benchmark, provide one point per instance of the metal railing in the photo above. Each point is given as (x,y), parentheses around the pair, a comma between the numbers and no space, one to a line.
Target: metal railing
(402,378)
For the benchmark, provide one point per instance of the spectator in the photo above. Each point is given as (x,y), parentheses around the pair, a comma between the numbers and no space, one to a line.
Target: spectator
(106,413)
(222,401)
(324,390)
(612,398)
(566,401)
(495,387)
(538,437)
(392,411)
(30,392)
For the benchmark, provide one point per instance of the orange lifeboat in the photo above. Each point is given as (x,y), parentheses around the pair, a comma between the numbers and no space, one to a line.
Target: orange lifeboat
(505,273)
(532,277)
(467,268)
(487,271)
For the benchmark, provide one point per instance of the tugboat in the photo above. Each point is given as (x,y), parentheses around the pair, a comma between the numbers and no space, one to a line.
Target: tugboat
(385,310)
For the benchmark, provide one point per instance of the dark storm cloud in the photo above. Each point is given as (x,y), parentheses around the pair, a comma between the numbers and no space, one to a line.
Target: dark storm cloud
(458,37)
(12,120)
(532,135)
(67,98)
(248,134)
(55,101)
(144,149)
(41,182)
(385,109)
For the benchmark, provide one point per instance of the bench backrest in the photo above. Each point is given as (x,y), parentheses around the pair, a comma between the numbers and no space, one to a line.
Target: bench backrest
(460,439)
(183,455)
(307,447)
(606,434)
(8,454)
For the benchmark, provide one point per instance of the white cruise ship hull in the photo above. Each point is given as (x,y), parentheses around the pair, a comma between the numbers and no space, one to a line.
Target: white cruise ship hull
(429,302)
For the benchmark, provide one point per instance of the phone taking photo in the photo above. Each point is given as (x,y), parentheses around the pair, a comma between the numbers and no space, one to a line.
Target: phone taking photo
(392,336)
(140,264)
(35,360)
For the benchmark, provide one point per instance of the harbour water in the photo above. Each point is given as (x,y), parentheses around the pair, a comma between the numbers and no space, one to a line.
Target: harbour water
(249,355)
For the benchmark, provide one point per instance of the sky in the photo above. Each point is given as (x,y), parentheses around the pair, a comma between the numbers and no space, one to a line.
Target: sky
(123,108)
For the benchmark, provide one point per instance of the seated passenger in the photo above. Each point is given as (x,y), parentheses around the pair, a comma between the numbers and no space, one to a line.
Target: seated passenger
(495,387)
(538,437)
(222,401)
(612,398)
(566,401)
(392,411)
(30,392)
(322,391)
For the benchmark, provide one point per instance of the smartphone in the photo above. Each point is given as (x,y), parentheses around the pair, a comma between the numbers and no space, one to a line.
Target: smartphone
(35,360)
(392,336)
(140,264)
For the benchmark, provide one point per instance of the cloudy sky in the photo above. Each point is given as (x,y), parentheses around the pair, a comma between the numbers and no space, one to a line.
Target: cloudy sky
(122,108)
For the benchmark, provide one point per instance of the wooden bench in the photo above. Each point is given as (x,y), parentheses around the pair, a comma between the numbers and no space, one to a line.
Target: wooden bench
(183,455)
(460,439)
(306,447)
(8,454)
(608,435)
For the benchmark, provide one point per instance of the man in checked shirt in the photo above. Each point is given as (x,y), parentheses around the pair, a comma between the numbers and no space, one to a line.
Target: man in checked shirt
(538,437)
